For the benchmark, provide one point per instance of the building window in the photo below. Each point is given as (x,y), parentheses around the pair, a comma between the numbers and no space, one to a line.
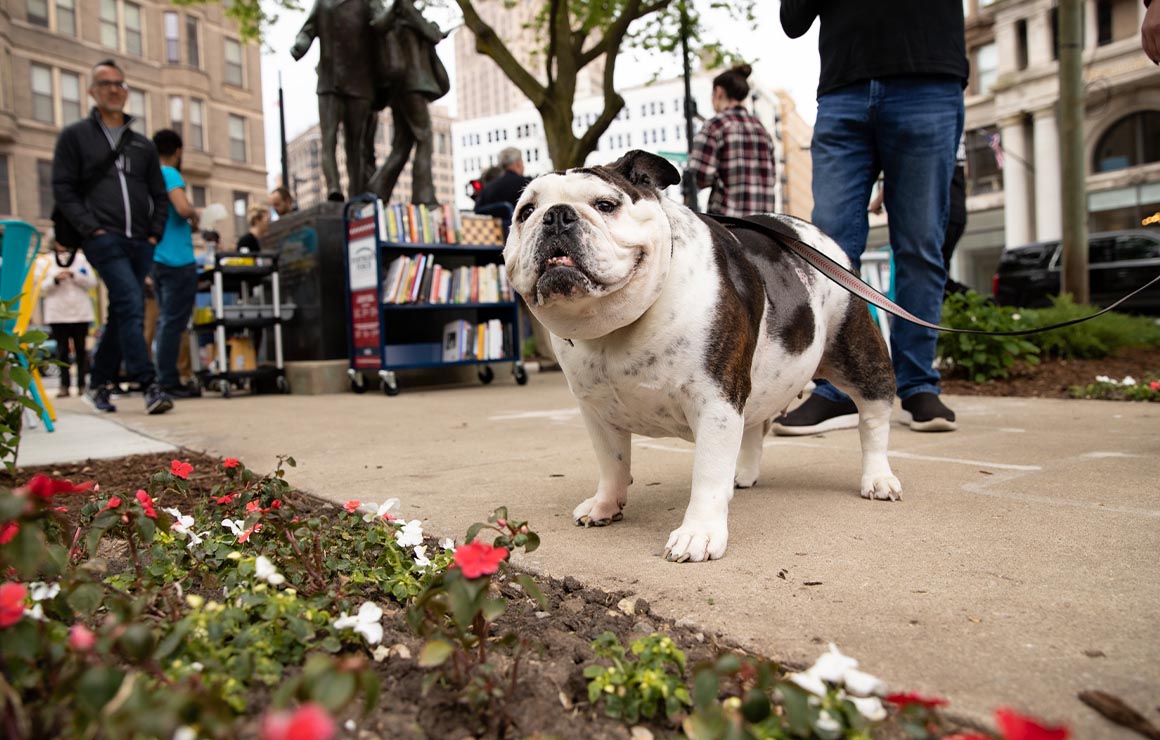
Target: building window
(136,107)
(5,187)
(192,51)
(1021,44)
(133,43)
(984,175)
(177,114)
(986,67)
(237,138)
(70,98)
(44,186)
(109,24)
(1116,20)
(38,12)
(241,203)
(42,94)
(172,38)
(1132,141)
(196,124)
(197,193)
(66,17)
(234,68)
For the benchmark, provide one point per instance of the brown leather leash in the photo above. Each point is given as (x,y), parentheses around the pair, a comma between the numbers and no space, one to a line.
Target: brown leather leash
(852,283)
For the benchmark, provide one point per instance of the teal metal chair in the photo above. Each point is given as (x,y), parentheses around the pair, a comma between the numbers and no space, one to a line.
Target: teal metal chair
(878,272)
(18,250)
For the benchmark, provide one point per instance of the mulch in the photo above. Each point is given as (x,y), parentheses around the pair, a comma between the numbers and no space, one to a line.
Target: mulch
(1051,378)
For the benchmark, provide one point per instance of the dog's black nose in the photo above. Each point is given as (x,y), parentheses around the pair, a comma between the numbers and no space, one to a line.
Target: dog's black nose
(559,218)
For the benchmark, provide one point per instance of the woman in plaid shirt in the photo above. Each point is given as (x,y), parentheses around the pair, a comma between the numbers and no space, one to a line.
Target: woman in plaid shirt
(733,153)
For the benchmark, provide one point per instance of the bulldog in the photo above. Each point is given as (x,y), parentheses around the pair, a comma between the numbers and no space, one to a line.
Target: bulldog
(667,324)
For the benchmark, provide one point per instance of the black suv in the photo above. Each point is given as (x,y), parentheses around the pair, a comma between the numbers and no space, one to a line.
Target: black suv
(1118,263)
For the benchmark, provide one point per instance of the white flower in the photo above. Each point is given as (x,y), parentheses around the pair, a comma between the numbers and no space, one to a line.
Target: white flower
(237,526)
(181,522)
(1105,379)
(1016,316)
(808,683)
(421,558)
(41,591)
(265,570)
(366,622)
(411,534)
(349,725)
(185,733)
(375,511)
(827,723)
(1128,380)
(36,612)
(832,666)
(869,707)
(381,653)
(196,666)
(447,543)
(859,683)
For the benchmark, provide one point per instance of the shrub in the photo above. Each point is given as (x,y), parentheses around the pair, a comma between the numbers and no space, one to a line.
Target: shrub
(1090,339)
(1128,389)
(640,688)
(18,354)
(976,357)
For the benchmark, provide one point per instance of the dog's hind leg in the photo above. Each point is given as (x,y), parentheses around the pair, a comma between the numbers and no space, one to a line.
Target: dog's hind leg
(858,363)
(749,459)
(613,454)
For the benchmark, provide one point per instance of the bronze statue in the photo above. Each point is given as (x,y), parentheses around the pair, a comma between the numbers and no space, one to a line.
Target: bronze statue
(410,76)
(346,89)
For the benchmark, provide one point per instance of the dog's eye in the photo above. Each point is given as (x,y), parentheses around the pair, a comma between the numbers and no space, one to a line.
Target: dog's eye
(525,212)
(605,206)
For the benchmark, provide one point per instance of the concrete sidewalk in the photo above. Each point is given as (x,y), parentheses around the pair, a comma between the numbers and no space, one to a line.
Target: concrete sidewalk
(1019,569)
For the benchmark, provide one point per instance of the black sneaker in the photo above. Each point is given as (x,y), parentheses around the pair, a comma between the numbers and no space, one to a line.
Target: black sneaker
(156,400)
(925,412)
(817,415)
(128,389)
(189,390)
(98,398)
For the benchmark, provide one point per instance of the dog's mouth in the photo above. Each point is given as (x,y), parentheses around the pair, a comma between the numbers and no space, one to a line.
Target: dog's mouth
(562,273)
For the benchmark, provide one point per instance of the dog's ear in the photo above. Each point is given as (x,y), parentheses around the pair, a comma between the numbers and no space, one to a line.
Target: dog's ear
(646,170)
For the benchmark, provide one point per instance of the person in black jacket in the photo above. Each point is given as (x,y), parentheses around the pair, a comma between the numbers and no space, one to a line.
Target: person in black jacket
(890,101)
(505,189)
(121,214)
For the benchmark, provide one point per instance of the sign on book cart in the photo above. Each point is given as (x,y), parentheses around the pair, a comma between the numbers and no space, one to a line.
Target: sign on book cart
(363,278)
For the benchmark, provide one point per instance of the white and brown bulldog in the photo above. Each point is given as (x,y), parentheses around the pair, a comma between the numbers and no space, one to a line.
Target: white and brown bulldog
(668,325)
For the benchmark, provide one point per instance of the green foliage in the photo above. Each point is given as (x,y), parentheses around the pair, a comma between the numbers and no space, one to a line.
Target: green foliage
(1127,389)
(251,17)
(18,355)
(982,358)
(1090,339)
(640,688)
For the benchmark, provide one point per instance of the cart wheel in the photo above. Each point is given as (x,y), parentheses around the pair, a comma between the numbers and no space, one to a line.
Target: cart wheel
(283,384)
(520,373)
(486,375)
(390,387)
(223,387)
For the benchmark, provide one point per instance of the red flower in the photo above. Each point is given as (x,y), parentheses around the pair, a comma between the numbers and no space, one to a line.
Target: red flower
(1015,726)
(276,504)
(147,504)
(479,559)
(180,469)
(246,535)
(906,699)
(230,462)
(1155,385)
(114,502)
(352,505)
(42,486)
(12,597)
(81,638)
(252,506)
(8,532)
(972,736)
(307,722)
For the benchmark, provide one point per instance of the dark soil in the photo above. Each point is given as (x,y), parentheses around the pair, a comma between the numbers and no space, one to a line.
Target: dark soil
(1052,378)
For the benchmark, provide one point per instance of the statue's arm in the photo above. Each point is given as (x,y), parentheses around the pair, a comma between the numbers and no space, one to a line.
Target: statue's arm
(306,34)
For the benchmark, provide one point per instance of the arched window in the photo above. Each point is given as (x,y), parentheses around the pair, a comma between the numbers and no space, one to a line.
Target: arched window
(1132,141)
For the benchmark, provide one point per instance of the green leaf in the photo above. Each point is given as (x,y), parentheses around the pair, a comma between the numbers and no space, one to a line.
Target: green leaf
(335,692)
(19,375)
(493,608)
(472,531)
(756,706)
(435,653)
(9,343)
(705,688)
(86,598)
(97,686)
(533,542)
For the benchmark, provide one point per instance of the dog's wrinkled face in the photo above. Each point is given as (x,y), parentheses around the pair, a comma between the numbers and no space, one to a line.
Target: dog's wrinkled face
(589,249)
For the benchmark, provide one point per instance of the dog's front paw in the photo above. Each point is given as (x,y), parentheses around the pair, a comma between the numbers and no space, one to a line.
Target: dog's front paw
(697,542)
(881,487)
(596,512)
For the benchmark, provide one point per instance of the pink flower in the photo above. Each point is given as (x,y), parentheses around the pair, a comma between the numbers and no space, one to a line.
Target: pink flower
(12,596)
(1015,726)
(114,502)
(180,469)
(972,736)
(230,462)
(906,699)
(1155,385)
(147,504)
(307,722)
(252,506)
(42,486)
(479,559)
(8,531)
(246,535)
(81,638)
(352,505)
(223,500)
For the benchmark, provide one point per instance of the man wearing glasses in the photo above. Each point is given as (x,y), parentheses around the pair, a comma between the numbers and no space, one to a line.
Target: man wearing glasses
(106,179)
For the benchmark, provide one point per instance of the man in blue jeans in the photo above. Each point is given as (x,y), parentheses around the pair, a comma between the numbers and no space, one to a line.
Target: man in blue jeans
(890,100)
(174,266)
(120,211)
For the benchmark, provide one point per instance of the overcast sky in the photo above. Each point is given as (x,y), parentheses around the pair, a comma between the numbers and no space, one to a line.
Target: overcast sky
(777,61)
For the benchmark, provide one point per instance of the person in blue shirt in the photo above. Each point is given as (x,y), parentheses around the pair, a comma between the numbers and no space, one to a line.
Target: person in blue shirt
(174,266)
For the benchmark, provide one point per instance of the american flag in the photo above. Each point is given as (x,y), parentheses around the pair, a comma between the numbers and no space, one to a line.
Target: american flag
(996,145)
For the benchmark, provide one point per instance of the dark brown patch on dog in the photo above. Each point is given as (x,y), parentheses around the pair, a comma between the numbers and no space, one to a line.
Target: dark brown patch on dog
(856,356)
(798,333)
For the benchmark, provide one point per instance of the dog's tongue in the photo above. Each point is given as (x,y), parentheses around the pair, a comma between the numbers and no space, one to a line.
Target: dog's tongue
(561,261)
